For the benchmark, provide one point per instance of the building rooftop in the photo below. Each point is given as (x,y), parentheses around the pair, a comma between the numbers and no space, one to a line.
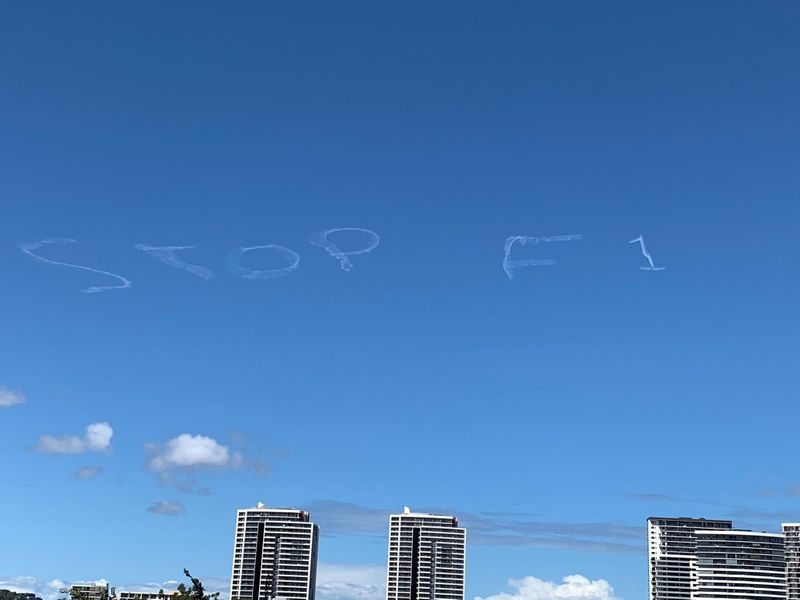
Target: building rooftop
(689,519)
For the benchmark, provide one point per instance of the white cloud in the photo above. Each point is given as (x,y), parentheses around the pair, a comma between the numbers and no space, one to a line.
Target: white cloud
(351,582)
(88,472)
(573,587)
(96,438)
(177,461)
(10,398)
(47,590)
(215,584)
(170,508)
(195,451)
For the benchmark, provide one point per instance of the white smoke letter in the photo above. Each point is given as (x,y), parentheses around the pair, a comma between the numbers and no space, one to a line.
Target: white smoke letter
(168,256)
(235,257)
(321,240)
(29,247)
(523,240)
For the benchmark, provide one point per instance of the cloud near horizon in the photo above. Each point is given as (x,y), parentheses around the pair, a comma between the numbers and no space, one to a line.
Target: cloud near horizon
(572,587)
(47,590)
(351,582)
(96,438)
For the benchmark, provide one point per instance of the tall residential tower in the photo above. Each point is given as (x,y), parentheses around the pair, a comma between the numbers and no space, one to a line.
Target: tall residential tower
(274,555)
(672,553)
(426,557)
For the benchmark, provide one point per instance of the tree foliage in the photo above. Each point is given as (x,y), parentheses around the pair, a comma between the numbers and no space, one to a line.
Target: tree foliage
(196,592)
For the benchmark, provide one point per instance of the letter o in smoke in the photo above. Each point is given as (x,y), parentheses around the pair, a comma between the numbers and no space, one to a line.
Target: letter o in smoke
(320,239)
(235,257)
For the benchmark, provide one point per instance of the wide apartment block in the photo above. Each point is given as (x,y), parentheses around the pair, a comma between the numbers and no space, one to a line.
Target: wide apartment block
(426,557)
(274,555)
(739,564)
(672,552)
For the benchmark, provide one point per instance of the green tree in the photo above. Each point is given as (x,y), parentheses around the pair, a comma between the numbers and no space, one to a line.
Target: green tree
(196,592)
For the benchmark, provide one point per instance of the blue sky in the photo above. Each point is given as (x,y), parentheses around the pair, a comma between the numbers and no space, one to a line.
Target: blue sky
(554,412)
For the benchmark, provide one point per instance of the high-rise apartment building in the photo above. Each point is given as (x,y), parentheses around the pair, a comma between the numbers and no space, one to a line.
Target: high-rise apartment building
(426,557)
(739,564)
(791,533)
(671,548)
(274,555)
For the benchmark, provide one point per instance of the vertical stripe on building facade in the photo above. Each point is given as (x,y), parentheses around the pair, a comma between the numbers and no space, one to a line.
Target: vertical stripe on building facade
(426,558)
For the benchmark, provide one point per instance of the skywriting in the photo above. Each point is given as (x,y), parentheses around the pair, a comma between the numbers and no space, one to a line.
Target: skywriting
(526,267)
